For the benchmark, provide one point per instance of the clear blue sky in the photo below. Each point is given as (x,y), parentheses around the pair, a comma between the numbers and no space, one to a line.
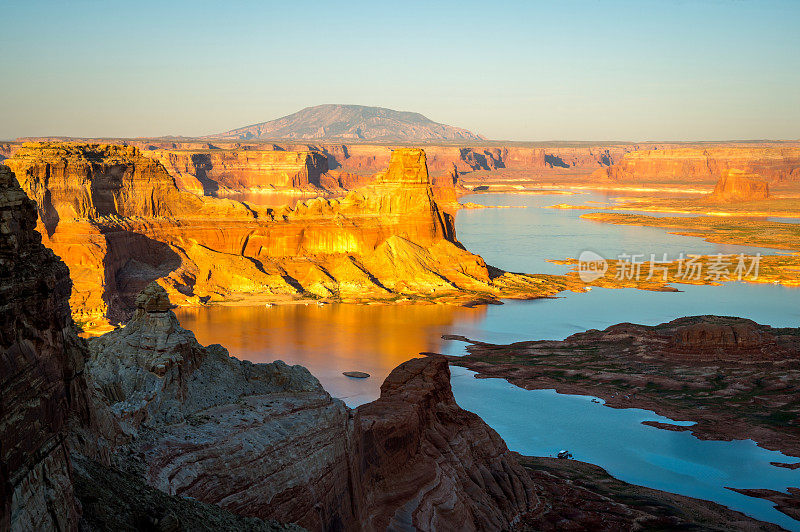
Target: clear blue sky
(527,70)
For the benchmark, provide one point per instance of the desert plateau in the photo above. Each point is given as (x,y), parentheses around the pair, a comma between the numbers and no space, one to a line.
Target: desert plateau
(538,271)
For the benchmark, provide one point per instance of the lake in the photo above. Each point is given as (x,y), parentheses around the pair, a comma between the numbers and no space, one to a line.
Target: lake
(376,338)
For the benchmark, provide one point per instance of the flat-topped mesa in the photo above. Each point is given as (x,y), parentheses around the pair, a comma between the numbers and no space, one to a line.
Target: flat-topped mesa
(406,166)
(89,181)
(214,171)
(400,202)
(731,336)
(680,165)
(738,186)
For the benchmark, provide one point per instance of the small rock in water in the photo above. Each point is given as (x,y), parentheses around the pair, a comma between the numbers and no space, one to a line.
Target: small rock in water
(356,374)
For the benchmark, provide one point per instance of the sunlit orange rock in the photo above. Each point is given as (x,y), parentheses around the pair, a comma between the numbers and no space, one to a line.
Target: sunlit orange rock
(119,221)
(220,171)
(736,185)
(704,164)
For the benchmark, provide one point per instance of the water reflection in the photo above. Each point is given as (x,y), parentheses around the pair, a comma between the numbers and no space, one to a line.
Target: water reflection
(542,422)
(522,240)
(331,339)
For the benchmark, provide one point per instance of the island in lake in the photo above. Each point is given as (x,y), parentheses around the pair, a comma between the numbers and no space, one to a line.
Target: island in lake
(226,304)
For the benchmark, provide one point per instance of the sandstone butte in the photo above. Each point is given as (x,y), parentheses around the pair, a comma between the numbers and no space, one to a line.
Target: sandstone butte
(776,164)
(143,428)
(119,221)
(737,186)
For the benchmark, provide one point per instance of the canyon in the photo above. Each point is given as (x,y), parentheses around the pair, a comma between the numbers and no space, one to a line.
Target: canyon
(146,411)
(777,164)
(197,437)
(119,221)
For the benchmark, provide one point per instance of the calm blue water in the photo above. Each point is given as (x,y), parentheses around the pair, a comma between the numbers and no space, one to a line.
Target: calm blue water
(541,422)
(336,338)
(784,220)
(523,239)
(555,319)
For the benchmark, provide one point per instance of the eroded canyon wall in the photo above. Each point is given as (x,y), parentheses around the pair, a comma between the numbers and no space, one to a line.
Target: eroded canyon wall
(41,366)
(222,171)
(736,186)
(119,221)
(686,165)
(266,440)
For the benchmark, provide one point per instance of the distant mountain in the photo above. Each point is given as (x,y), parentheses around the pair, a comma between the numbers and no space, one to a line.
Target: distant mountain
(348,123)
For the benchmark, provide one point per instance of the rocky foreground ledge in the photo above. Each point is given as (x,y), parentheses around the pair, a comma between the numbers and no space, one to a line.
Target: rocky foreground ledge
(144,428)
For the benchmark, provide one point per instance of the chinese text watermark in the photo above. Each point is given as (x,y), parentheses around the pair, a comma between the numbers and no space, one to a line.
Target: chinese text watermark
(684,267)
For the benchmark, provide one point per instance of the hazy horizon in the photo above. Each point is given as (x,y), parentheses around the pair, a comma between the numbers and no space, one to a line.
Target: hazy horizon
(579,70)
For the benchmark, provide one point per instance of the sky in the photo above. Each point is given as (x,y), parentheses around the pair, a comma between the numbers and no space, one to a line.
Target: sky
(509,70)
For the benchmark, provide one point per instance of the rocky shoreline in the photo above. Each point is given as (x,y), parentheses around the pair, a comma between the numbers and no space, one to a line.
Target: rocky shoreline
(735,378)
(200,439)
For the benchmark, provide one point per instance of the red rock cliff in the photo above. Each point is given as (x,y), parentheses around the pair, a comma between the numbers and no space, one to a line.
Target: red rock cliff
(41,365)
(704,164)
(735,185)
(120,221)
(217,171)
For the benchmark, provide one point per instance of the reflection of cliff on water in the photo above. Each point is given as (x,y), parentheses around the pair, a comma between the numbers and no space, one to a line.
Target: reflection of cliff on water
(332,338)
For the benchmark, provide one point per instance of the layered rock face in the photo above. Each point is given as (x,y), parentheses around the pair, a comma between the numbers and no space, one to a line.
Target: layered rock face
(219,172)
(421,462)
(120,221)
(260,440)
(360,158)
(266,440)
(736,185)
(41,362)
(96,204)
(774,164)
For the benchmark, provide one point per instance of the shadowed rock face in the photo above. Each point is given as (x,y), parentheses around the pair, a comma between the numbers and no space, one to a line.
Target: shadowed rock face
(50,418)
(41,362)
(736,185)
(266,440)
(421,462)
(711,336)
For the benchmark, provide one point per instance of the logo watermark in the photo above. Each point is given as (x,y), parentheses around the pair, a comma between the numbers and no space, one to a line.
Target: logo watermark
(684,267)
(591,266)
